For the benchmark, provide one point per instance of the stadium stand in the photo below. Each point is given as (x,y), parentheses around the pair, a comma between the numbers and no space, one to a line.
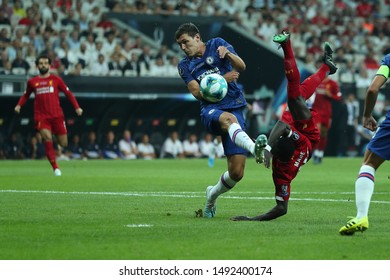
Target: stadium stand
(76,32)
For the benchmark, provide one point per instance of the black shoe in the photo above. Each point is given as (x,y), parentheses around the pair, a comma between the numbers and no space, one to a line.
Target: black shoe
(328,59)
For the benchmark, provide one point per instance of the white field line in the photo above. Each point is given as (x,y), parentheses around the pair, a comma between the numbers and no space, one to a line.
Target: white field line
(138,225)
(198,194)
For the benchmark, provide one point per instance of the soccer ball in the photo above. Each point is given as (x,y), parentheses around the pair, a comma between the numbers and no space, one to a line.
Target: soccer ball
(213,87)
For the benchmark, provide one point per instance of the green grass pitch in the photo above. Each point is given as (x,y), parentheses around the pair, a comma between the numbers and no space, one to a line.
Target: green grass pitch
(145,210)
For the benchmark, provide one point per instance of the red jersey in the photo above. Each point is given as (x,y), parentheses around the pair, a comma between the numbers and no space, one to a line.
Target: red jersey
(323,102)
(305,135)
(47,99)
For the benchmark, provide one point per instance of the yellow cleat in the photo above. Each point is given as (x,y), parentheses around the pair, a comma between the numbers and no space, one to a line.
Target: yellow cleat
(354,225)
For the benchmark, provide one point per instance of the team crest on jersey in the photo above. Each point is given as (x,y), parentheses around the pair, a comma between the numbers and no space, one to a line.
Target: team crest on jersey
(209,60)
(181,71)
(211,111)
(295,136)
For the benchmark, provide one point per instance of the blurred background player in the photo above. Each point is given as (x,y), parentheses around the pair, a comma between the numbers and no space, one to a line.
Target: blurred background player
(292,139)
(223,118)
(48,115)
(92,148)
(127,147)
(378,150)
(327,91)
(145,148)
(172,146)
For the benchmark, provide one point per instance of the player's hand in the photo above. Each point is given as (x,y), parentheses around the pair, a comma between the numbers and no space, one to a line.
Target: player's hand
(17,109)
(222,51)
(79,111)
(370,123)
(267,158)
(231,76)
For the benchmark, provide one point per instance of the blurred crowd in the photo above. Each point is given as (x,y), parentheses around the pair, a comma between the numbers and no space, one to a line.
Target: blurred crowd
(116,146)
(82,41)
(79,39)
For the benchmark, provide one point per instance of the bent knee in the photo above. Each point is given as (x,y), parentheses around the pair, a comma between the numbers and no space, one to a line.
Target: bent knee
(226,119)
(236,175)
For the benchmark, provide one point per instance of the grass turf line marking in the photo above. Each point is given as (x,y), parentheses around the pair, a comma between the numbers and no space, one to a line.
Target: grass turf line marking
(138,226)
(181,195)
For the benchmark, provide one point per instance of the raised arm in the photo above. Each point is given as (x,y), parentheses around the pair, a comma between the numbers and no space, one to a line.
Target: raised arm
(237,63)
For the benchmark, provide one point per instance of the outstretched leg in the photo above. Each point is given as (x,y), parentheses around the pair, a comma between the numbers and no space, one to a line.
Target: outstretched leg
(296,102)
(297,93)
(290,66)
(309,85)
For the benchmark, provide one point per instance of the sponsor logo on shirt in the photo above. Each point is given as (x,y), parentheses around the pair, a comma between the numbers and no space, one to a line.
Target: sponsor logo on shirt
(43,90)
(210,71)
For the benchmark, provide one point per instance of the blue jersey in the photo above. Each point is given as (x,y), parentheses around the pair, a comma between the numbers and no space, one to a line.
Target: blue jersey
(380,143)
(195,68)
(386,60)
(385,66)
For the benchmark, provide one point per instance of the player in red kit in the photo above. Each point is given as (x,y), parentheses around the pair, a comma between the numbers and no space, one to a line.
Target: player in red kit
(327,91)
(48,114)
(292,139)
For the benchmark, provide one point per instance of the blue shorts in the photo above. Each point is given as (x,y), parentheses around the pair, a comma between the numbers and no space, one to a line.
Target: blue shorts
(380,143)
(210,119)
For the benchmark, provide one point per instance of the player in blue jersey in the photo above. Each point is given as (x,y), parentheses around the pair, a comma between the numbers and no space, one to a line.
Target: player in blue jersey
(223,118)
(378,150)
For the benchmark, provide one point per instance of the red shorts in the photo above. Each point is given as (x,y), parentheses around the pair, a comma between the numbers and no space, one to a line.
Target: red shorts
(55,125)
(325,120)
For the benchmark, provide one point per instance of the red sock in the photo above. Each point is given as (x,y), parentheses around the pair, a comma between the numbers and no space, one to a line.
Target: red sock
(322,144)
(50,154)
(291,70)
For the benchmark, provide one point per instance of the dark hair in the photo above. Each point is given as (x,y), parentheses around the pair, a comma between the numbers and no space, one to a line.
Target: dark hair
(187,28)
(45,56)
(283,149)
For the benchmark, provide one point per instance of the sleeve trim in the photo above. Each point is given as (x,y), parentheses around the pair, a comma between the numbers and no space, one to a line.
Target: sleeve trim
(384,71)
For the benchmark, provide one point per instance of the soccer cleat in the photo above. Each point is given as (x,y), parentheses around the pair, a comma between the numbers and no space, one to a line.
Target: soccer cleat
(57,172)
(317,160)
(328,58)
(210,209)
(354,225)
(282,37)
(260,144)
